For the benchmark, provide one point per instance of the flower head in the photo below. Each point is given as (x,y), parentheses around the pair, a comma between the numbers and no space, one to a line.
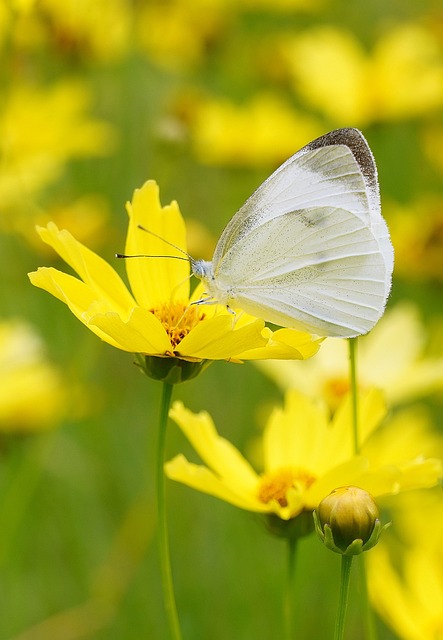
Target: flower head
(157,318)
(262,132)
(306,455)
(40,131)
(34,396)
(408,374)
(400,79)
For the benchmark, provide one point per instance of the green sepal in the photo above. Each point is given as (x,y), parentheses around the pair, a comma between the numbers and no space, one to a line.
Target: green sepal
(170,370)
(356,547)
(293,529)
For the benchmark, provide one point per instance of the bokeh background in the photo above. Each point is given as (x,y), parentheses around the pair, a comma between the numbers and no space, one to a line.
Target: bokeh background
(207,98)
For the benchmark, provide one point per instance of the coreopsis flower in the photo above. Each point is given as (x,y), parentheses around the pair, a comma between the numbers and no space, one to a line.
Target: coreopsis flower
(100,31)
(306,455)
(177,34)
(407,375)
(41,129)
(87,218)
(173,338)
(401,78)
(419,247)
(33,394)
(262,132)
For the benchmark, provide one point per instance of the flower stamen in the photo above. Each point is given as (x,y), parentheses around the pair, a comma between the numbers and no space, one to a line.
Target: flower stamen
(178,319)
(275,485)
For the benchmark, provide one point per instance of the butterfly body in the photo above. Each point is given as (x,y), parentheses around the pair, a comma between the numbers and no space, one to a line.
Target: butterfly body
(309,249)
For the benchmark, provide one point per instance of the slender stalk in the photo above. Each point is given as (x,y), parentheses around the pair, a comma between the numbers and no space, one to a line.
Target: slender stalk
(354,391)
(353,352)
(288,599)
(346,563)
(163,536)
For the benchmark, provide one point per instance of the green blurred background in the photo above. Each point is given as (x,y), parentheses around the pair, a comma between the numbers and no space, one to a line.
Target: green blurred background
(206,98)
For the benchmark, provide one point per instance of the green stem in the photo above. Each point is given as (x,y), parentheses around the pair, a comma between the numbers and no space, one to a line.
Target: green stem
(163,537)
(346,563)
(369,618)
(354,391)
(288,599)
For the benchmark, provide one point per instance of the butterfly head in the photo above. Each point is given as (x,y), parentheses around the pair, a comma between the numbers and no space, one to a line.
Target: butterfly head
(202,269)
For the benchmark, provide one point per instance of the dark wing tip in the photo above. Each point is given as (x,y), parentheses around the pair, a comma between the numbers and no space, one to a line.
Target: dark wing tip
(357,144)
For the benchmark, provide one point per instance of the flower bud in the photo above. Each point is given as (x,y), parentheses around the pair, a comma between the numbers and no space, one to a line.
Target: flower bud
(347,520)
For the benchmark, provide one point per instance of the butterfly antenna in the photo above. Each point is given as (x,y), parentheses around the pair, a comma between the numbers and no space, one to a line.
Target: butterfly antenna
(144,255)
(171,244)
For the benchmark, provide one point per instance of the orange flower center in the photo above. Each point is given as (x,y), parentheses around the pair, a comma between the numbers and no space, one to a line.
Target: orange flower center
(335,389)
(178,319)
(274,486)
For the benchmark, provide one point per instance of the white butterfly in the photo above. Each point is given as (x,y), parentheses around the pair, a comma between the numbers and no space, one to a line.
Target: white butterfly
(310,248)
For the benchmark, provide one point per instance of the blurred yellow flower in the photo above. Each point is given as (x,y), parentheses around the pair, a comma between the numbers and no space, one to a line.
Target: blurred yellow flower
(406,580)
(158,317)
(432,141)
(99,30)
(177,33)
(33,394)
(262,132)
(418,246)
(40,131)
(402,77)
(306,455)
(391,357)
(87,218)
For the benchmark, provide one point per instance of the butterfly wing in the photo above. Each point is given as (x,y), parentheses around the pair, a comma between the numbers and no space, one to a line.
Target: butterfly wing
(310,247)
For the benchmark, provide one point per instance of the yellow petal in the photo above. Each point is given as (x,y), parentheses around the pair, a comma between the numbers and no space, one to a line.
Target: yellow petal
(76,294)
(371,411)
(141,333)
(217,338)
(420,474)
(219,454)
(202,479)
(285,344)
(156,280)
(295,434)
(341,475)
(91,268)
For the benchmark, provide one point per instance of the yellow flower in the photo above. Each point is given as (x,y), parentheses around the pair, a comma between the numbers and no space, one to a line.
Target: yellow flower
(86,217)
(419,247)
(33,395)
(158,317)
(40,131)
(403,77)
(100,30)
(406,580)
(306,455)
(262,132)
(177,34)
(406,375)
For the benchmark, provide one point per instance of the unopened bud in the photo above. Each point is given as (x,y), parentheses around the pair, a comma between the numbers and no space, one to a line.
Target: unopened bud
(347,520)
